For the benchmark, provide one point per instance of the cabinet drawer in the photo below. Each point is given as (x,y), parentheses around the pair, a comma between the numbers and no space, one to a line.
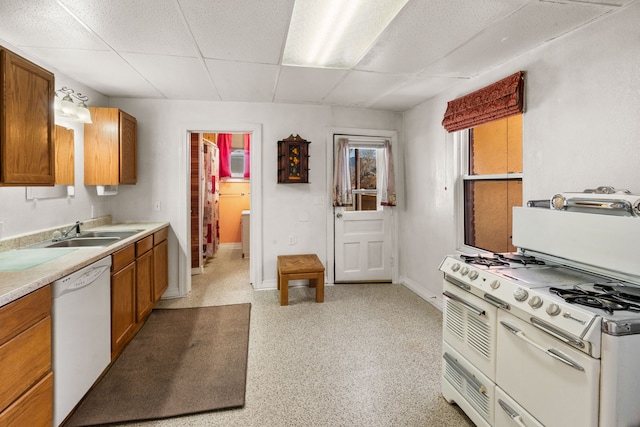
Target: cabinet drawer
(23,313)
(123,257)
(160,236)
(144,245)
(24,360)
(34,408)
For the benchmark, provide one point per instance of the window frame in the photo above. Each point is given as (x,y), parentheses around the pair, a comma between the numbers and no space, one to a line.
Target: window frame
(461,144)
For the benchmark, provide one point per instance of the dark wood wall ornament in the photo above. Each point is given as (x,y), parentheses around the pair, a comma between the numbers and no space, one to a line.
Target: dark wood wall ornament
(293,160)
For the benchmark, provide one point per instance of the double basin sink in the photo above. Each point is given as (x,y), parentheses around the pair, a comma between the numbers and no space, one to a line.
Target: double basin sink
(89,239)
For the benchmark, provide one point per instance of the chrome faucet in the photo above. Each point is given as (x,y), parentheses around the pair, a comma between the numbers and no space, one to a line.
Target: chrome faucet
(75,226)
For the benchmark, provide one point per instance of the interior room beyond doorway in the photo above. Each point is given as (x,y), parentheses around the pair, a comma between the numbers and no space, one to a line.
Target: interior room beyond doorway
(220,194)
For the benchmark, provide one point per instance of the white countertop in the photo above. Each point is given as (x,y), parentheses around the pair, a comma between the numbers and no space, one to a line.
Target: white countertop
(17,283)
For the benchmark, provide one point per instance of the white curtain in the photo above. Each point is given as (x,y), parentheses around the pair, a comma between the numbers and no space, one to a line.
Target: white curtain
(388,190)
(341,175)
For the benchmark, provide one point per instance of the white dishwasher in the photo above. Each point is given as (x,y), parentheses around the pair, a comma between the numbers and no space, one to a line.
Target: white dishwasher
(81,316)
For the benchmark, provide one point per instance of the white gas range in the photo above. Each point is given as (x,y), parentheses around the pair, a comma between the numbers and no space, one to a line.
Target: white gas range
(531,339)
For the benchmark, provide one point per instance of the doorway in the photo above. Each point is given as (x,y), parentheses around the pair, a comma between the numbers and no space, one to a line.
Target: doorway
(220,195)
(255,130)
(362,236)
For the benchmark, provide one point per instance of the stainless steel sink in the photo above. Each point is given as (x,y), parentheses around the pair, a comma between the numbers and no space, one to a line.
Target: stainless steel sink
(118,234)
(81,242)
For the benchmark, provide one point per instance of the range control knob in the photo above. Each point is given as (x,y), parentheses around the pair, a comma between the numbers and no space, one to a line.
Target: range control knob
(553,310)
(520,294)
(473,275)
(494,284)
(464,271)
(455,267)
(535,302)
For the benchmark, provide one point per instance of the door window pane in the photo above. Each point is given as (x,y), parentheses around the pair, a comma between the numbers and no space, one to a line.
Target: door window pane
(362,163)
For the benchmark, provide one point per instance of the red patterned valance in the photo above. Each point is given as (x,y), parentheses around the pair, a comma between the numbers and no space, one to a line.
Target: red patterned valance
(501,99)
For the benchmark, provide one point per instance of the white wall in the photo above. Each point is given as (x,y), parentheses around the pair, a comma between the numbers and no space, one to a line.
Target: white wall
(581,129)
(162,170)
(20,216)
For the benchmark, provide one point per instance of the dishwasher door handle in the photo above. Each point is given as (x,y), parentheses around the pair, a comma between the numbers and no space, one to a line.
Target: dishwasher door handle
(87,278)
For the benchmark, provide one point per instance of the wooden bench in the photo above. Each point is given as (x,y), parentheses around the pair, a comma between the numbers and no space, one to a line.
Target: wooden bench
(295,267)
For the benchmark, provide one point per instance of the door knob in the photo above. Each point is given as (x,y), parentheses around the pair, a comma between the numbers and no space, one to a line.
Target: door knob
(339,215)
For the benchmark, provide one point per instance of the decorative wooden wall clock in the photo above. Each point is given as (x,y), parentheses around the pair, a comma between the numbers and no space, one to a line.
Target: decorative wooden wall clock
(293,160)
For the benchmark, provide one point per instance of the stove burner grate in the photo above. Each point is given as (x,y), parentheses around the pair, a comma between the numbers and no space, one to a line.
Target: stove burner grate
(607,301)
(493,261)
(521,259)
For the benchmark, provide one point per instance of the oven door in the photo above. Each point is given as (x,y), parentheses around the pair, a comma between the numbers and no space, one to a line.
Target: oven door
(555,383)
(469,326)
(463,384)
(509,414)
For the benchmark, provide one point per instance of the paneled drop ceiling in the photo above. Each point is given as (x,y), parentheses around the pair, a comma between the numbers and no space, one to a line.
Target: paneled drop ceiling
(231,50)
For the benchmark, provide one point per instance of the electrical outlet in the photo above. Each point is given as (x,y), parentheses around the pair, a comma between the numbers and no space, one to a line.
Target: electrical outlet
(157,206)
(292,239)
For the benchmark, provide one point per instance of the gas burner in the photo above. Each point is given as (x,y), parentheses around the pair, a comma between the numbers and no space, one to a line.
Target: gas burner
(623,292)
(520,259)
(492,261)
(606,301)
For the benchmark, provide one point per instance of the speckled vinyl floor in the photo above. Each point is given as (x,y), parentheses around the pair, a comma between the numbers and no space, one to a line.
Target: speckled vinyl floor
(368,356)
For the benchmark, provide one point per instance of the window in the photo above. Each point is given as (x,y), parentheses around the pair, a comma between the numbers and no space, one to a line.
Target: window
(492,183)
(362,166)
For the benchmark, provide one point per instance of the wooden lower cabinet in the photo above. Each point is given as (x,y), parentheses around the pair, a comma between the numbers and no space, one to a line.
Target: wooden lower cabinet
(160,263)
(26,380)
(139,277)
(33,408)
(123,299)
(144,278)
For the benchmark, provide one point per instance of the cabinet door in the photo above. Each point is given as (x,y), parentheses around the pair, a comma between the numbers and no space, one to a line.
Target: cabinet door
(102,147)
(34,408)
(64,156)
(123,307)
(144,285)
(26,126)
(160,269)
(128,150)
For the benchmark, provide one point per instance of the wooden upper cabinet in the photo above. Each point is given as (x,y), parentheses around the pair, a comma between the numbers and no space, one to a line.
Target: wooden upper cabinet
(64,155)
(26,122)
(110,147)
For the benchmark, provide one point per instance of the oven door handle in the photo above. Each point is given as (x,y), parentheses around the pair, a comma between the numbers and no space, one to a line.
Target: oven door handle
(516,417)
(496,302)
(556,333)
(550,351)
(462,371)
(473,308)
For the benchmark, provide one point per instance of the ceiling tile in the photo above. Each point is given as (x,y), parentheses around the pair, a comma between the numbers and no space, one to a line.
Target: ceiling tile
(414,92)
(142,26)
(426,30)
(241,81)
(175,77)
(301,84)
(103,71)
(361,88)
(43,23)
(239,30)
(526,29)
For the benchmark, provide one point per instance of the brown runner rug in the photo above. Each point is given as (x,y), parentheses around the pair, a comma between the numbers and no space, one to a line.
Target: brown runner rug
(183,361)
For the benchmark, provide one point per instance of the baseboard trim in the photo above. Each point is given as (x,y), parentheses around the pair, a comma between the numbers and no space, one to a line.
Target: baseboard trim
(433,299)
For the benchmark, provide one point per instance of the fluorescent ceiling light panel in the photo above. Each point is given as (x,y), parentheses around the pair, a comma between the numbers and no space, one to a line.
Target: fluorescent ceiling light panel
(336,33)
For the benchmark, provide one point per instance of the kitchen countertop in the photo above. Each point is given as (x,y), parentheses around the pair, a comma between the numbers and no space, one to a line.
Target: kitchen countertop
(18,283)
